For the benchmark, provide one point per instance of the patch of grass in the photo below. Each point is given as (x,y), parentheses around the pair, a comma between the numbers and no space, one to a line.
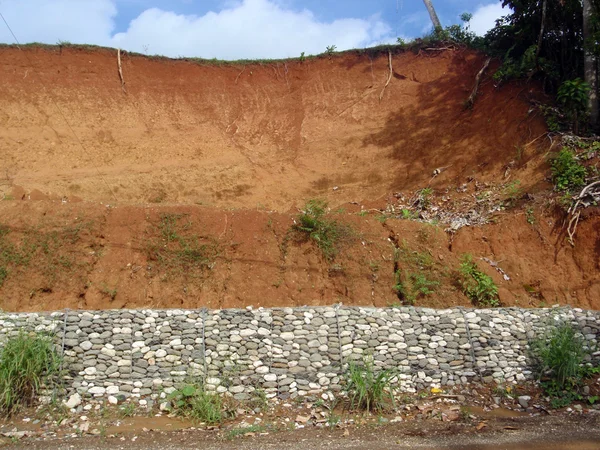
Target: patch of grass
(479,287)
(237,432)
(560,357)
(28,363)
(567,173)
(367,389)
(176,249)
(512,192)
(529,214)
(315,226)
(46,251)
(194,403)
(112,293)
(127,410)
(408,214)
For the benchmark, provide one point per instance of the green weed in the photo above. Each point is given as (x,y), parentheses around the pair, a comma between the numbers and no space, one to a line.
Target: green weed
(194,403)
(28,363)
(512,192)
(414,286)
(567,173)
(179,250)
(529,214)
(237,432)
(326,233)
(560,357)
(369,390)
(479,287)
(127,410)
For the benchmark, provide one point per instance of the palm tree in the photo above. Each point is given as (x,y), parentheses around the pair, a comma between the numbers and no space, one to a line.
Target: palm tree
(434,18)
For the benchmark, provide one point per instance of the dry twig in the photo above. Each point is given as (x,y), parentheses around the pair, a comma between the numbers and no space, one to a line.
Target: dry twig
(575,210)
(471,100)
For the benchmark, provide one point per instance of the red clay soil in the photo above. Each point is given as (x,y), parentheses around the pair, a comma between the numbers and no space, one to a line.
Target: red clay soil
(185,187)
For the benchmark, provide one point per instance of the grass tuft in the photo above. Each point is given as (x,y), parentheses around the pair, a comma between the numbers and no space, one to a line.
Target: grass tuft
(369,390)
(194,403)
(28,362)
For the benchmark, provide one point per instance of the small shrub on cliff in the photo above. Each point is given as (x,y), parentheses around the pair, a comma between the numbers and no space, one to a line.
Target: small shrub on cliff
(567,172)
(314,224)
(28,362)
(476,285)
(369,390)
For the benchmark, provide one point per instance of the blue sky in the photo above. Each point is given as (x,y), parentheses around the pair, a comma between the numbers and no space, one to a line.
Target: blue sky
(231,29)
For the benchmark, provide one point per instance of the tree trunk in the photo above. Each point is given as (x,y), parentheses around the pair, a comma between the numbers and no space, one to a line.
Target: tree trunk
(589,64)
(434,18)
(541,35)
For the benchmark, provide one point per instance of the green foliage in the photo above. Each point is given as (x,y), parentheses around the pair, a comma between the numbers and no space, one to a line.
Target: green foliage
(530,216)
(512,191)
(302,57)
(49,252)
(237,432)
(177,249)
(567,172)
(414,286)
(560,358)
(28,363)
(331,49)
(479,287)
(194,403)
(369,390)
(573,95)
(314,224)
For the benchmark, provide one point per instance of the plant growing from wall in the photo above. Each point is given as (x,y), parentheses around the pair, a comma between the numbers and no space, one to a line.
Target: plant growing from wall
(367,389)
(194,403)
(28,363)
(560,358)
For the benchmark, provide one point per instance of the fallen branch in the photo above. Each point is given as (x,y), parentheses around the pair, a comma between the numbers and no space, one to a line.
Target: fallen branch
(471,100)
(120,70)
(575,210)
(389,77)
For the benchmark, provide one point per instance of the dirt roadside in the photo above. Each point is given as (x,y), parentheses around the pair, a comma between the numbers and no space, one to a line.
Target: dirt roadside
(538,432)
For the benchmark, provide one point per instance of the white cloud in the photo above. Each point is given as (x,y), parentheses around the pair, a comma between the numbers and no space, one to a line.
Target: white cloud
(245,29)
(484,18)
(77,21)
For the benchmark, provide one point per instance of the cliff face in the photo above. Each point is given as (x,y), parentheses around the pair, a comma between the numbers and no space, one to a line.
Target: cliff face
(223,155)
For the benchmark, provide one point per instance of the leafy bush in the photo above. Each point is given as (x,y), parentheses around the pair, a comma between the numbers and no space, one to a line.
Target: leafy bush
(560,358)
(369,390)
(567,172)
(194,403)
(479,287)
(325,233)
(573,97)
(414,286)
(28,362)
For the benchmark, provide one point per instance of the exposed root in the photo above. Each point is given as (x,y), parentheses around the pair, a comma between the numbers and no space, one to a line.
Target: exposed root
(389,77)
(121,70)
(238,76)
(471,100)
(588,195)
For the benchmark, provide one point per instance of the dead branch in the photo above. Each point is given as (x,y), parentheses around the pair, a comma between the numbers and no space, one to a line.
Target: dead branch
(471,100)
(575,210)
(120,70)
(389,77)
(238,76)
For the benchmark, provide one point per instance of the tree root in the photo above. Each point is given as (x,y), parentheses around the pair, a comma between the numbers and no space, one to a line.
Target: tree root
(389,77)
(580,203)
(471,100)
(121,70)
